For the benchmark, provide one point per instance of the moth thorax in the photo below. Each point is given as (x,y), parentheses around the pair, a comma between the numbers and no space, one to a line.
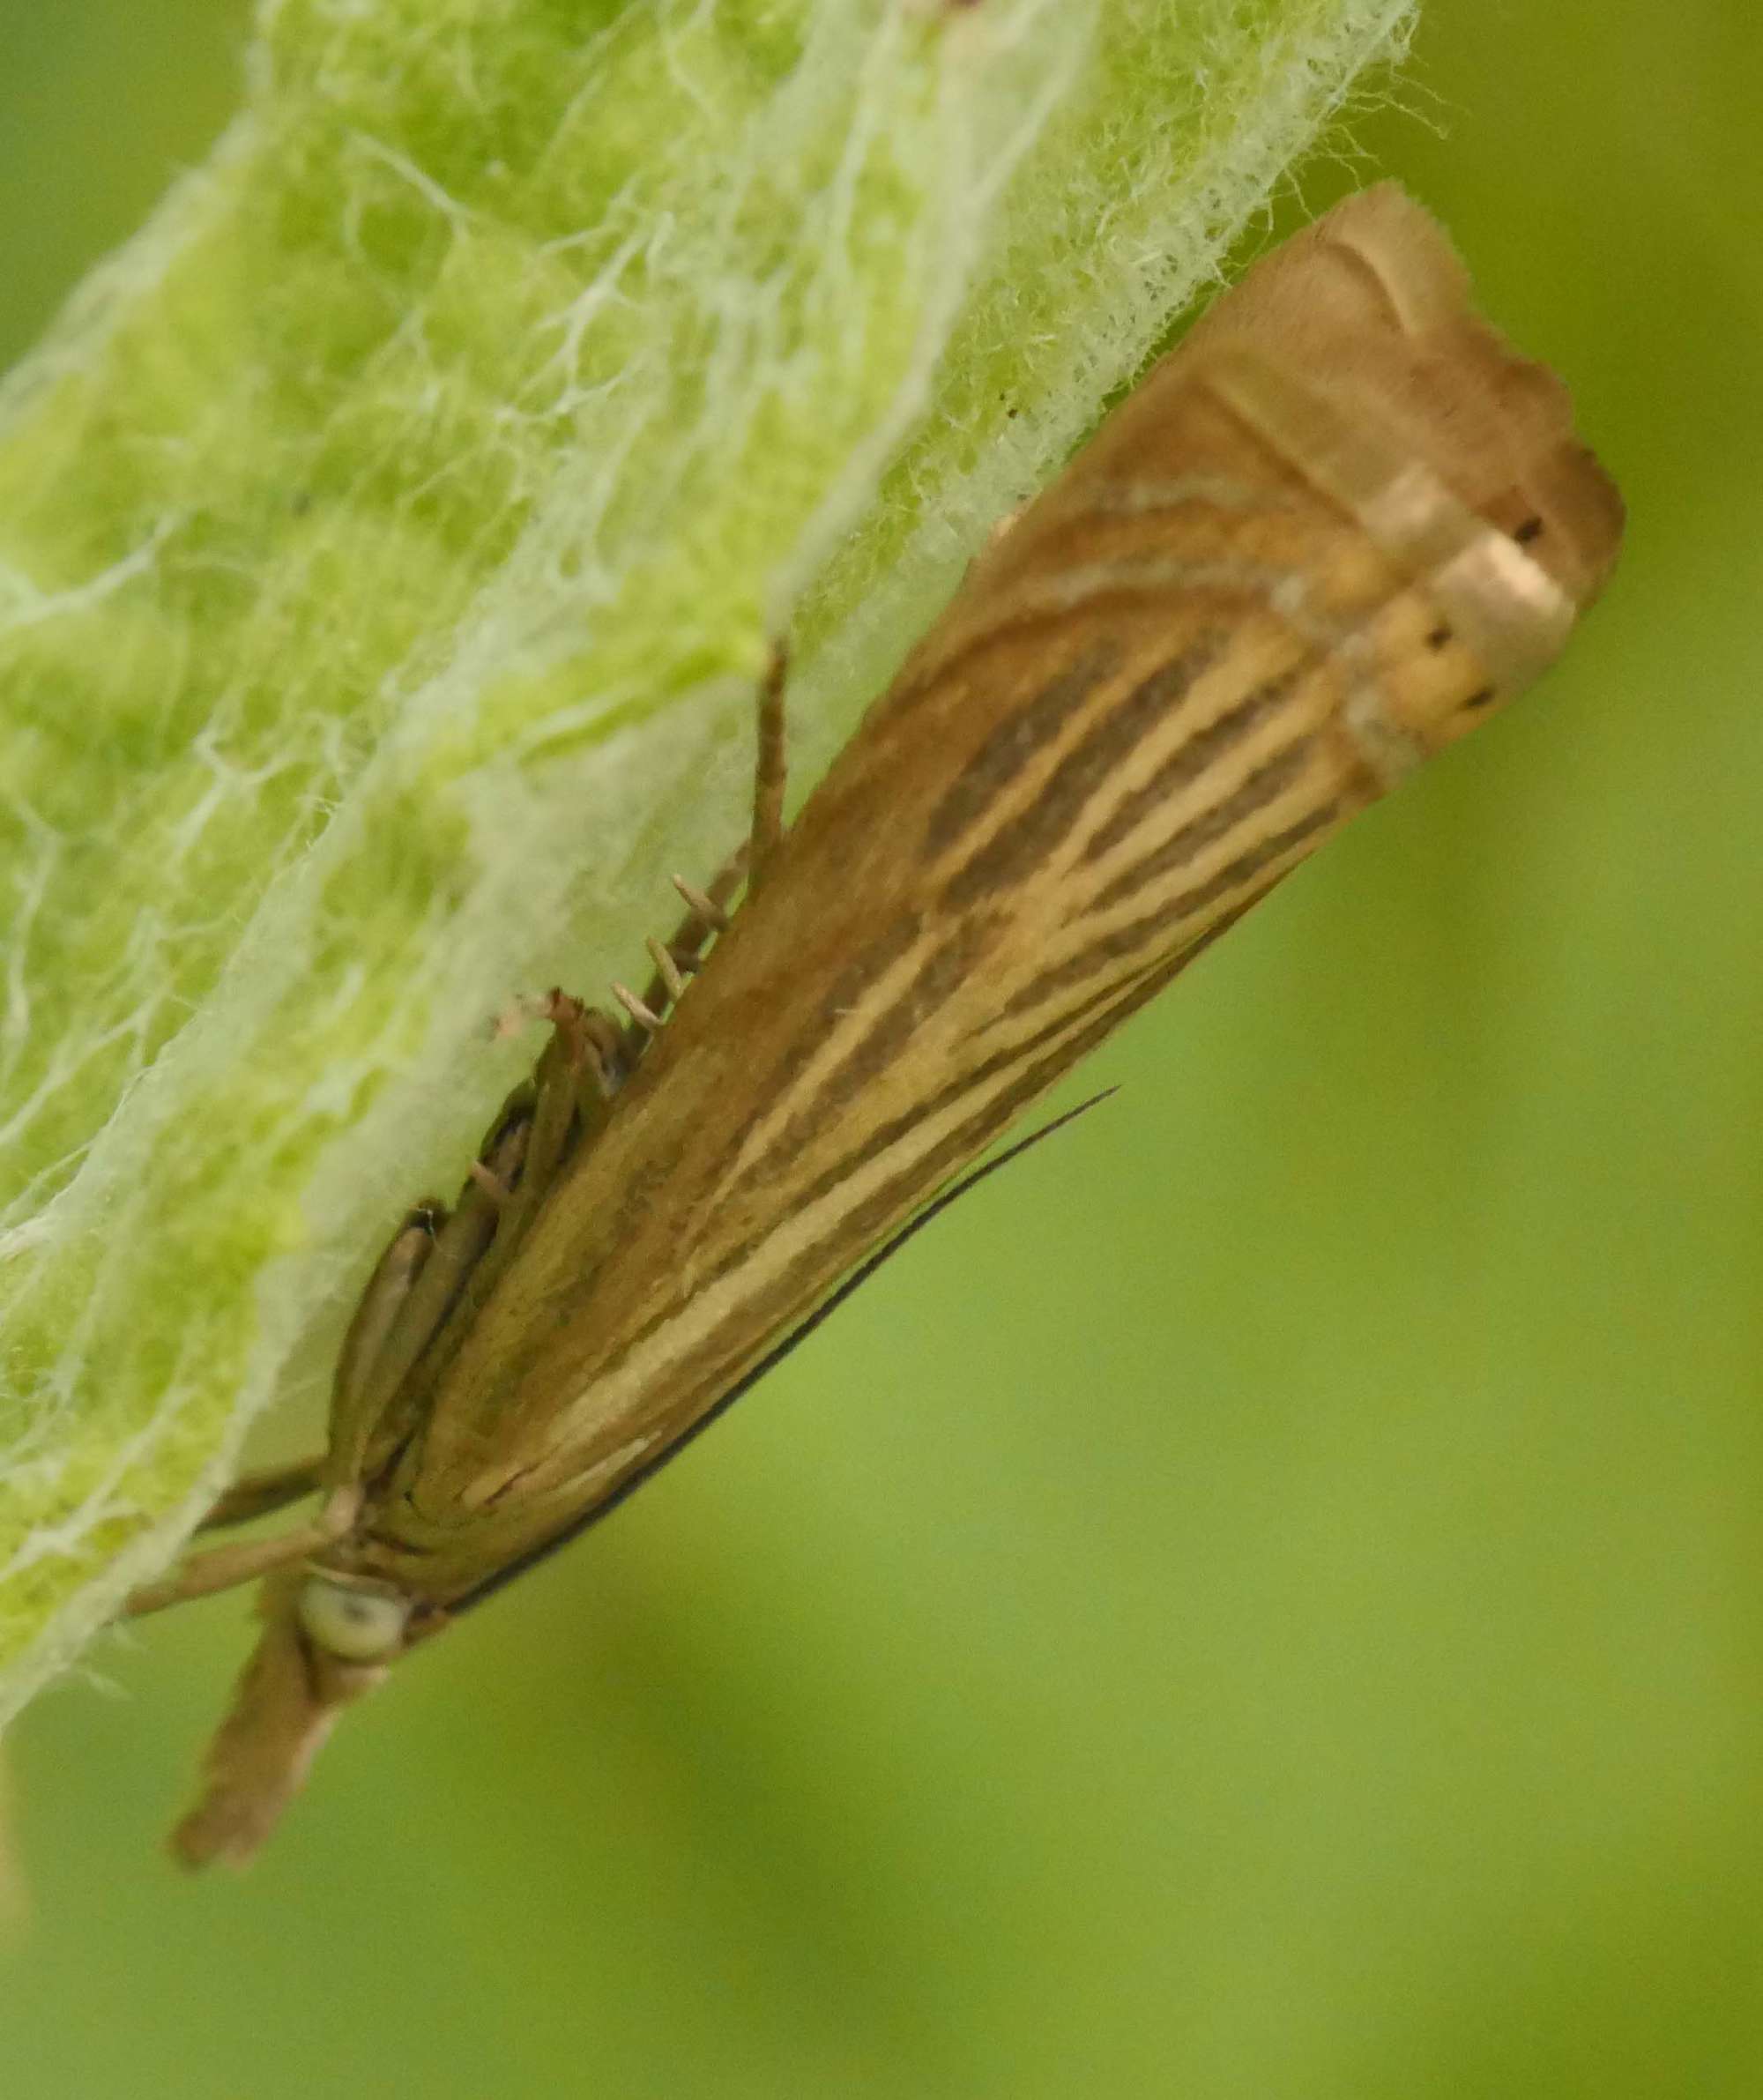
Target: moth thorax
(356,1621)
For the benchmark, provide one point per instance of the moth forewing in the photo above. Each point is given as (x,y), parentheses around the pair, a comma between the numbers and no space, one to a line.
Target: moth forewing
(1318,542)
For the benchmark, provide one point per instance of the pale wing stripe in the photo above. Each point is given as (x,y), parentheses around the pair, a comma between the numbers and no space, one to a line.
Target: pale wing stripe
(1095,789)
(1270,780)
(814,1241)
(880,974)
(1034,811)
(885,977)
(1078,796)
(808,1248)
(1191,759)
(1216,492)
(1154,580)
(1141,581)
(1255,870)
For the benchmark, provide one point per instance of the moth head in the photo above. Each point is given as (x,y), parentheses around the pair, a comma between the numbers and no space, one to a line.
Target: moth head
(354,1619)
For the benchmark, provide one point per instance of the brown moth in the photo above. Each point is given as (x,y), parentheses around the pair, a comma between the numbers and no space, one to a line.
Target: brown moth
(1324,539)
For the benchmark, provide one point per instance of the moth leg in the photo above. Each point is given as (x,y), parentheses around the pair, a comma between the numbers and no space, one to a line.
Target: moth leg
(678,957)
(356,1402)
(225,1567)
(770,770)
(557,1092)
(410,1297)
(255,1494)
(559,1111)
(706,910)
(682,954)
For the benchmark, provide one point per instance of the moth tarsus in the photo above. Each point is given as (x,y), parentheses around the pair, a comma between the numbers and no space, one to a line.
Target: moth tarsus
(1319,542)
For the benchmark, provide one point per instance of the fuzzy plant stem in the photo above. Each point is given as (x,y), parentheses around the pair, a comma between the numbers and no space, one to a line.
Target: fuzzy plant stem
(390,538)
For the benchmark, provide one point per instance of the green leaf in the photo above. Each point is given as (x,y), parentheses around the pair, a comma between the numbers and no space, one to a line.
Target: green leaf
(390,537)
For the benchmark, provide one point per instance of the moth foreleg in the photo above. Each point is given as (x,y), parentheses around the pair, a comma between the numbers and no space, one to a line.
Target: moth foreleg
(225,1567)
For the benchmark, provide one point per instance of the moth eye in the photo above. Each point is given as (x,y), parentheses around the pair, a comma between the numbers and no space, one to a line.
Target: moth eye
(356,1626)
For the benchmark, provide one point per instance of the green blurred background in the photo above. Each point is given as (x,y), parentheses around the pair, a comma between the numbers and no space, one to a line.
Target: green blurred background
(1264,1600)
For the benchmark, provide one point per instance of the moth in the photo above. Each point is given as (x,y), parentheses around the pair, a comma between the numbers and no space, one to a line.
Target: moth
(1334,529)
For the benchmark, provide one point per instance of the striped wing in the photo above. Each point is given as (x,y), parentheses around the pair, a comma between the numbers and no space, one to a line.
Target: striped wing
(1270,588)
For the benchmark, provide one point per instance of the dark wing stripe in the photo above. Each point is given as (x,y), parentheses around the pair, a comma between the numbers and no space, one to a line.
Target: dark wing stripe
(947,966)
(886,1135)
(1096,1011)
(1035,832)
(1044,815)
(1185,764)
(860,1226)
(1121,588)
(1037,824)
(1257,866)
(1018,738)
(1262,862)
(937,978)
(845,991)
